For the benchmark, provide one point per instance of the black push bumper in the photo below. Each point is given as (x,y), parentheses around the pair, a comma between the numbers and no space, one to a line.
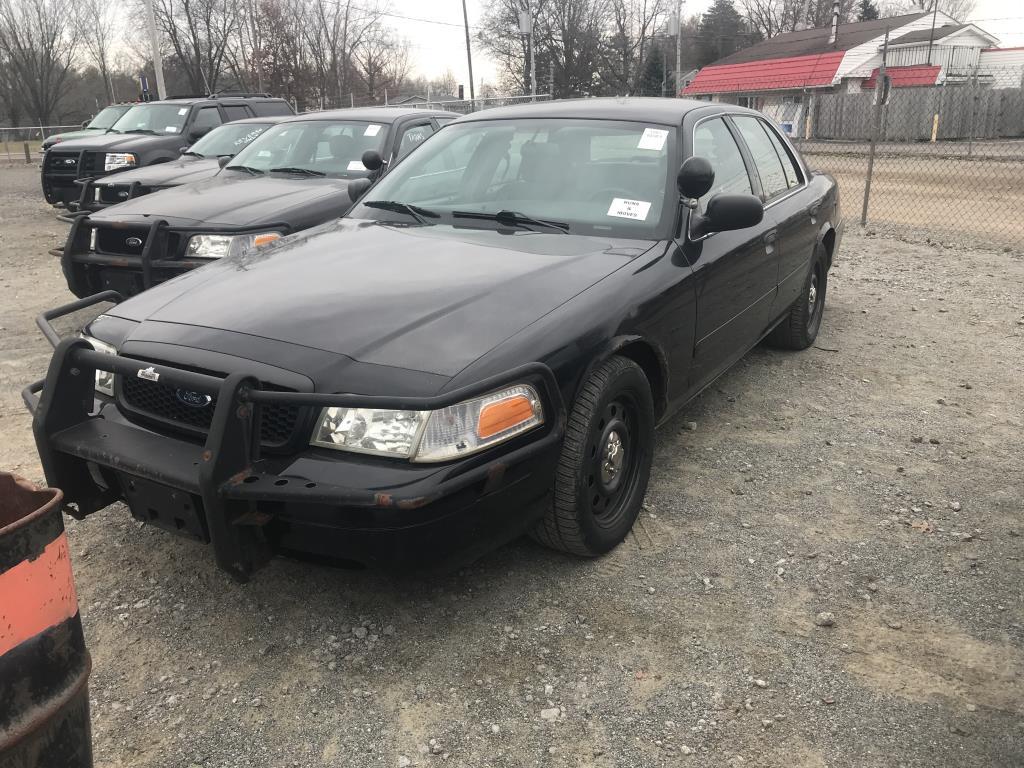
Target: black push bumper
(318,501)
(89,272)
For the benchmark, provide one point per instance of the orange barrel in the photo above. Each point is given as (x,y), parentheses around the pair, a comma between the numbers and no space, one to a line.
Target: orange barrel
(44,666)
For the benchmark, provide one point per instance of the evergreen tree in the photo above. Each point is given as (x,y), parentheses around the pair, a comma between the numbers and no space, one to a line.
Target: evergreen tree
(868,11)
(722,31)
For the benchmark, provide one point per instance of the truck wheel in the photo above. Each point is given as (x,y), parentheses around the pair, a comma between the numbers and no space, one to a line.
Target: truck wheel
(605,463)
(800,326)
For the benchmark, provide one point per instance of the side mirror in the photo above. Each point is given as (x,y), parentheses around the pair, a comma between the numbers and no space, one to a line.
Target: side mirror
(357,188)
(695,178)
(372,160)
(223,160)
(85,123)
(728,212)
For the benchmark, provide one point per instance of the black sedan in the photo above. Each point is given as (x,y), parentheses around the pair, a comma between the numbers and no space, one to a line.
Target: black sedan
(482,347)
(293,176)
(200,161)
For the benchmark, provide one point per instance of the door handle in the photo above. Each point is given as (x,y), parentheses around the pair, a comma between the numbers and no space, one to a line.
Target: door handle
(814,212)
(769,241)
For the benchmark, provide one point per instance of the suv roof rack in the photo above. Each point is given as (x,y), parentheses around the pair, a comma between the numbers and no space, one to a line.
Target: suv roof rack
(221,94)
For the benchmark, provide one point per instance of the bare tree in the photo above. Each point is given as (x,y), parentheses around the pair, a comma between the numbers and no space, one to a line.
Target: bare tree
(339,28)
(383,62)
(199,32)
(98,27)
(633,25)
(37,43)
(958,9)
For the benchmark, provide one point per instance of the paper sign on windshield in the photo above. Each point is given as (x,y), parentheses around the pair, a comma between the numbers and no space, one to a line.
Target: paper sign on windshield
(653,138)
(356,165)
(371,130)
(183,111)
(629,209)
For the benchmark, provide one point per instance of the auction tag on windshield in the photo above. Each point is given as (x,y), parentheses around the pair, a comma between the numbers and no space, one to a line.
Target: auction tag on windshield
(629,209)
(171,129)
(371,130)
(183,111)
(653,138)
(356,165)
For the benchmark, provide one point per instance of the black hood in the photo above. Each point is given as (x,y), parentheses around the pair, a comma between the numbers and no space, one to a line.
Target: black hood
(235,200)
(430,299)
(125,142)
(184,170)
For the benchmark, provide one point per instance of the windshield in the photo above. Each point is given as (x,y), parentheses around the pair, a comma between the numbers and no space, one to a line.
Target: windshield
(330,147)
(153,118)
(597,177)
(228,139)
(107,117)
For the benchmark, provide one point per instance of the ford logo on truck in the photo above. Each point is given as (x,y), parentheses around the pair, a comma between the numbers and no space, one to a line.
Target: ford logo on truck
(193,399)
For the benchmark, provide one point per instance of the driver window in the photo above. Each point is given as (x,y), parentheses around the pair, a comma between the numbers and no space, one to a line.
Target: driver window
(412,137)
(713,141)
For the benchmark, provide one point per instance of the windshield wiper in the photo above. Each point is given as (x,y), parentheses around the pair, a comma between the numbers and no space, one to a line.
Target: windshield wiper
(143,130)
(246,168)
(397,206)
(194,154)
(302,171)
(512,218)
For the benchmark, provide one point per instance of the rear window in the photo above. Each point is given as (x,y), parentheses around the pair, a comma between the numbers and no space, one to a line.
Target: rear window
(271,108)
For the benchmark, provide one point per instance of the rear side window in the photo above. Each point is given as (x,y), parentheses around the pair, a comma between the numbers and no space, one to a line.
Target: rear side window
(793,176)
(713,141)
(271,108)
(412,137)
(766,159)
(236,112)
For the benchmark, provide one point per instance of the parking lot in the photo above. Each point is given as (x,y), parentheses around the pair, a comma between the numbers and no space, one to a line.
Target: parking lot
(827,572)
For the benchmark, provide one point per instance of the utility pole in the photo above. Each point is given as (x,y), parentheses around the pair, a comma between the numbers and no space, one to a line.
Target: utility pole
(931,34)
(469,52)
(881,93)
(526,29)
(679,47)
(154,44)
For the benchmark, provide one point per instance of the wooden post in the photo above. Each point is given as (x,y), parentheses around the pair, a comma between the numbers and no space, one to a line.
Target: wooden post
(28,155)
(935,127)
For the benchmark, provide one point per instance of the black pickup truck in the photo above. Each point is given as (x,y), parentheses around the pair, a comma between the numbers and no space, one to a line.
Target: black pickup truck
(200,161)
(293,177)
(154,132)
(102,123)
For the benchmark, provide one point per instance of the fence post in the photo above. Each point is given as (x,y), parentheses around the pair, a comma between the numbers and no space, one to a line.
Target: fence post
(879,87)
(28,155)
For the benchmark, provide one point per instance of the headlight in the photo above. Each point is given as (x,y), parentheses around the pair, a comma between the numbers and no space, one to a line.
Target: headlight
(114,160)
(219,246)
(428,436)
(104,379)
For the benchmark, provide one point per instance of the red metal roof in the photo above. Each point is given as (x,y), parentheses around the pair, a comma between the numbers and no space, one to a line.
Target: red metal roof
(905,77)
(812,71)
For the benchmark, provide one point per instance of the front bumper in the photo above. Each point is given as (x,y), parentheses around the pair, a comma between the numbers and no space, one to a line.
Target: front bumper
(370,510)
(89,272)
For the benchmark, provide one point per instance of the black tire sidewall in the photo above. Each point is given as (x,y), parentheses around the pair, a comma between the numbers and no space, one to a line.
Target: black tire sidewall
(625,380)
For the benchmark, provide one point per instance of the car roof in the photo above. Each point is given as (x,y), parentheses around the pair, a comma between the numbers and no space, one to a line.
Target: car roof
(372,114)
(641,109)
(226,98)
(272,119)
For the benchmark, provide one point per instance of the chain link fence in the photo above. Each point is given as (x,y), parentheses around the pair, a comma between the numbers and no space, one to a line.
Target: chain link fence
(14,140)
(948,160)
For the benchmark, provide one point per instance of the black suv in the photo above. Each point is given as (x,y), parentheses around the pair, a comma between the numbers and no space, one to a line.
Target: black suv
(153,132)
(296,175)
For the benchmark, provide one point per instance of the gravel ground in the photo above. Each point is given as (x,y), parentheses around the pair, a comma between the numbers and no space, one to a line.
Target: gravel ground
(828,572)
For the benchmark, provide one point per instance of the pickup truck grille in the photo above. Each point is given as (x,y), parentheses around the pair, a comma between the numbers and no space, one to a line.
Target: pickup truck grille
(152,402)
(121,242)
(61,164)
(92,164)
(111,194)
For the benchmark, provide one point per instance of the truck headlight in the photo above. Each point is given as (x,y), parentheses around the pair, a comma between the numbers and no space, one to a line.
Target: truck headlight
(430,436)
(219,246)
(114,160)
(104,379)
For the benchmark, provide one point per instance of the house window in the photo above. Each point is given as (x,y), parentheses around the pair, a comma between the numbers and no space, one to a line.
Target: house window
(750,102)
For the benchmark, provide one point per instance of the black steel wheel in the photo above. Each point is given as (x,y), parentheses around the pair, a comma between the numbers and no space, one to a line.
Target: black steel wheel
(605,463)
(799,328)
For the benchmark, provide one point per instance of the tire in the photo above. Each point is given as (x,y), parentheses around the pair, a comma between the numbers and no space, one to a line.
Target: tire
(799,328)
(595,502)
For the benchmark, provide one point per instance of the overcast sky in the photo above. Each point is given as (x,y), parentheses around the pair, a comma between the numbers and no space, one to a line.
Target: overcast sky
(438,38)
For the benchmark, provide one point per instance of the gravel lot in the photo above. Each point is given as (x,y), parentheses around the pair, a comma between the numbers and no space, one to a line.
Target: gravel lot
(828,572)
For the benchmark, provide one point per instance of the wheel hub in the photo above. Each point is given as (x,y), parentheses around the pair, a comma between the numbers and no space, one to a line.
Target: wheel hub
(613,455)
(812,295)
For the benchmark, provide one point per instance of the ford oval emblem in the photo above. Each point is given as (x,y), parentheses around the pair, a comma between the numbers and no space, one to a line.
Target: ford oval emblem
(133,242)
(193,399)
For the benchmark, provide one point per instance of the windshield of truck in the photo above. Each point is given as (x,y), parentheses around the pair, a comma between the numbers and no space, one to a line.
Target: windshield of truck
(161,119)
